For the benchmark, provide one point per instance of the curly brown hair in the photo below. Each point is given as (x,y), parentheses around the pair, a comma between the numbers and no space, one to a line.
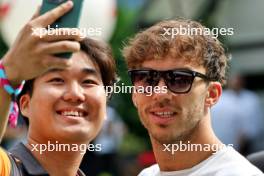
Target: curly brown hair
(201,49)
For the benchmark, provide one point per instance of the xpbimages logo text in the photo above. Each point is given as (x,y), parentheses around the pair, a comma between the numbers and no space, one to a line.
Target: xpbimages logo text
(122,88)
(188,30)
(188,146)
(84,32)
(59,147)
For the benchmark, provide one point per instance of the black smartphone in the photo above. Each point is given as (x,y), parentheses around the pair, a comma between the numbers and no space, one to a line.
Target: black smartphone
(69,20)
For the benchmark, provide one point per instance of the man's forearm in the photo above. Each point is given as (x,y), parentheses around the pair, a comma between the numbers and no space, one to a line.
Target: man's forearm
(5,100)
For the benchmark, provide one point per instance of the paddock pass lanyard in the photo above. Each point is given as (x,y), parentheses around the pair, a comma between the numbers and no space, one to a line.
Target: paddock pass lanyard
(14,92)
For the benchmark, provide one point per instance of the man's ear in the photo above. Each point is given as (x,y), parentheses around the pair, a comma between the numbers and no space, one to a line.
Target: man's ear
(213,94)
(24,105)
(134,99)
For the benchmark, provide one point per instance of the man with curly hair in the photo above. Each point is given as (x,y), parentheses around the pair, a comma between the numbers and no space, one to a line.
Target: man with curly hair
(191,63)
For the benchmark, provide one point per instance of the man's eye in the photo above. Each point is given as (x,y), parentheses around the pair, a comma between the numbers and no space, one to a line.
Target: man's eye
(57,80)
(89,81)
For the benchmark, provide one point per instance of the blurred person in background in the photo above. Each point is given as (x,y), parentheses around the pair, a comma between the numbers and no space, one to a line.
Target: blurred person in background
(238,117)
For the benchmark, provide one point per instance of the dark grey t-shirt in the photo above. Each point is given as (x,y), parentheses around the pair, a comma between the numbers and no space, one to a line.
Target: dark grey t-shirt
(28,164)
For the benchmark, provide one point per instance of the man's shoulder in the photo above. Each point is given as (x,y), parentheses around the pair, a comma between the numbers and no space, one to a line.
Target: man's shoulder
(225,162)
(152,170)
(233,162)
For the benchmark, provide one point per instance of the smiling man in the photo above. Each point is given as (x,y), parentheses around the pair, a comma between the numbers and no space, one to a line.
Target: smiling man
(65,109)
(63,100)
(193,67)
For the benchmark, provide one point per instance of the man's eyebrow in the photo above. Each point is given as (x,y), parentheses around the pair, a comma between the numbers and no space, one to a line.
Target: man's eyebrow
(91,71)
(55,70)
(179,68)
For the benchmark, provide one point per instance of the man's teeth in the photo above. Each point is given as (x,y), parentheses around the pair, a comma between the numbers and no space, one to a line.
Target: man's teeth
(164,114)
(72,113)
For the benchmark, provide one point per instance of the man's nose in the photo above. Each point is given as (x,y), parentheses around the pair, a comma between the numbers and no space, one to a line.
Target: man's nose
(163,92)
(74,93)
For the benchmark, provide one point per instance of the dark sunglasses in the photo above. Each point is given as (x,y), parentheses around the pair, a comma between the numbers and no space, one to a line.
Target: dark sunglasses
(177,81)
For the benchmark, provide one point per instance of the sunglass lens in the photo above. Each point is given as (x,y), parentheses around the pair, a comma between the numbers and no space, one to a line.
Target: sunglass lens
(143,78)
(180,82)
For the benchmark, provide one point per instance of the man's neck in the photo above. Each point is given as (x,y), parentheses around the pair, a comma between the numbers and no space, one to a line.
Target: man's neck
(57,163)
(169,160)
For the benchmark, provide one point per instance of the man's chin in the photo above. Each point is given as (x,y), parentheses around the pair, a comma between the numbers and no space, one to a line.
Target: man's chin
(162,137)
(168,136)
(76,136)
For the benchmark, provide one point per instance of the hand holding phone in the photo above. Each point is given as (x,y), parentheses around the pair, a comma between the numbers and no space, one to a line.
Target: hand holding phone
(69,20)
(30,55)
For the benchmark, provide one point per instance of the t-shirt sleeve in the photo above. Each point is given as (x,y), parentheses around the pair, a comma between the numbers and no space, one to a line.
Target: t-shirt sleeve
(5,164)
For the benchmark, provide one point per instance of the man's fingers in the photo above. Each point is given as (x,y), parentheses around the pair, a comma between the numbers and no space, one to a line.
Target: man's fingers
(52,15)
(61,47)
(55,62)
(62,34)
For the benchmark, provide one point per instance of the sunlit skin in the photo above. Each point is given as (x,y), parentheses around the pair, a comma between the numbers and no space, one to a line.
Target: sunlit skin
(190,119)
(76,88)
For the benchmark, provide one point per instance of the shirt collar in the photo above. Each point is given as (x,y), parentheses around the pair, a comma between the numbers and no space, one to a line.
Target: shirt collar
(30,163)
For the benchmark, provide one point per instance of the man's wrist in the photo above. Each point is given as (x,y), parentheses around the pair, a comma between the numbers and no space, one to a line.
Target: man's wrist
(11,73)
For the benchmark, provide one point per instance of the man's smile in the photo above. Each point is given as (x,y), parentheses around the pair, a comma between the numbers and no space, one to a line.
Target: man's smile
(162,116)
(72,113)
